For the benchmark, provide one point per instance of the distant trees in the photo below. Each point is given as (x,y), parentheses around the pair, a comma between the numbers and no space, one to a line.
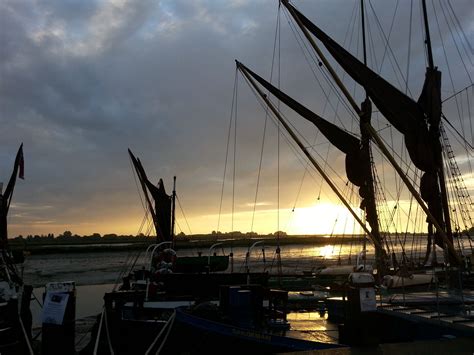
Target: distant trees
(93,237)
(69,237)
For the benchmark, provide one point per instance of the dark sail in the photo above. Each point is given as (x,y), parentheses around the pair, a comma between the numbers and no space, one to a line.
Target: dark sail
(162,208)
(401,111)
(343,140)
(357,155)
(161,213)
(417,121)
(5,198)
(431,184)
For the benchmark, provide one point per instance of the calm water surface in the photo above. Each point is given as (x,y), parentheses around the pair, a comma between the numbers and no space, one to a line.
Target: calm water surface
(105,267)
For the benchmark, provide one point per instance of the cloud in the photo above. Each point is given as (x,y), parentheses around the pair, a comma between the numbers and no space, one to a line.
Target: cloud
(81,81)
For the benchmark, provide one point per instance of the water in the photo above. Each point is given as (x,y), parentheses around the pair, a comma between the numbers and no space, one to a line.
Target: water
(96,272)
(104,267)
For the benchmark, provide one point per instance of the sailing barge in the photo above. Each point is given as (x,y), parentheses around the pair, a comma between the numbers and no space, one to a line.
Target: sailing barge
(420,123)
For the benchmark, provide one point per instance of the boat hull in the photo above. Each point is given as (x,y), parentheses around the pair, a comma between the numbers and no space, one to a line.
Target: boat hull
(204,335)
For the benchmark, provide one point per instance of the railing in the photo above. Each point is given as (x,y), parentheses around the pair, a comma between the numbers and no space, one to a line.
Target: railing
(213,246)
(249,251)
(155,247)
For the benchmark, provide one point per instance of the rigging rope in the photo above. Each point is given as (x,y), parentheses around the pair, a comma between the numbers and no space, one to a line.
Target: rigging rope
(387,48)
(184,216)
(227,148)
(278,141)
(460,27)
(448,66)
(409,47)
(235,154)
(168,325)
(266,120)
(454,40)
(309,52)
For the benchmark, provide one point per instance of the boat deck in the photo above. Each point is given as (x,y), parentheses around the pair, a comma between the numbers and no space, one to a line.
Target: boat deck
(460,321)
(430,297)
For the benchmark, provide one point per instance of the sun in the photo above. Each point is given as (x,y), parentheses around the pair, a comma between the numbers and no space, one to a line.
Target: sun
(322,218)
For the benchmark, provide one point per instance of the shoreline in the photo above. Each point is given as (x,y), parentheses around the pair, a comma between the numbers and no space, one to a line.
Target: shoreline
(37,248)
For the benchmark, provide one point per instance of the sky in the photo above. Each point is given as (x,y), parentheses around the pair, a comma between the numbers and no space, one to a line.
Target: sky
(82,81)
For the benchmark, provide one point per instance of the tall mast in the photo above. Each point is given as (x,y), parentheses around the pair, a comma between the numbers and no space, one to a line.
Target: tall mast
(428,38)
(173,218)
(435,133)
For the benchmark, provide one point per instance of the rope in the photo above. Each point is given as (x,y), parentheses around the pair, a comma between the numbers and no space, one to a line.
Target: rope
(289,141)
(460,27)
(109,342)
(309,52)
(169,323)
(409,46)
(30,349)
(387,44)
(138,189)
(122,271)
(37,300)
(278,139)
(448,66)
(457,132)
(227,149)
(184,216)
(96,346)
(455,43)
(83,336)
(166,335)
(265,124)
(235,154)
(457,93)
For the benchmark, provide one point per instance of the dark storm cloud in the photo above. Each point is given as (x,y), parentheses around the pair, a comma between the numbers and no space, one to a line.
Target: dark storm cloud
(83,80)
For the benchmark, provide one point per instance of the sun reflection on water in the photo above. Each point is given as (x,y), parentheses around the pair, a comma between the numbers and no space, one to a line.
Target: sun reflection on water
(327,251)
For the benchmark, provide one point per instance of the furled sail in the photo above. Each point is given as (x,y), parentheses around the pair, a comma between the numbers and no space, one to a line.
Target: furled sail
(406,115)
(417,121)
(5,198)
(162,211)
(357,156)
